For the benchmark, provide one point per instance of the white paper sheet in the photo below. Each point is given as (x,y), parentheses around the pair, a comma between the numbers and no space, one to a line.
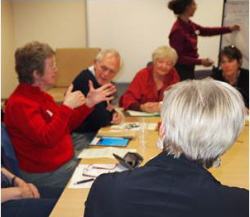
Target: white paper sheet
(142,114)
(87,171)
(104,152)
(133,126)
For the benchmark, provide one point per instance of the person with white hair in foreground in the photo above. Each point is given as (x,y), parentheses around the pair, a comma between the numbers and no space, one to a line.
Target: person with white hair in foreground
(201,119)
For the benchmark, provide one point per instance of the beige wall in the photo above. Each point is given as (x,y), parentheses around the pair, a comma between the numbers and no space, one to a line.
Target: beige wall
(8,78)
(61,24)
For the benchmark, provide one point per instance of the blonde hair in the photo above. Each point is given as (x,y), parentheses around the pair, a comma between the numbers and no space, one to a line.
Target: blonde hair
(165,52)
(202,119)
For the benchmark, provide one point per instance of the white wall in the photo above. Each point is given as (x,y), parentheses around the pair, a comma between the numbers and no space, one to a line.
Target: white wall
(137,27)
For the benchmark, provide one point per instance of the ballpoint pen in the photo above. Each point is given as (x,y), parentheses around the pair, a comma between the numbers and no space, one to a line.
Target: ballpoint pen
(84,181)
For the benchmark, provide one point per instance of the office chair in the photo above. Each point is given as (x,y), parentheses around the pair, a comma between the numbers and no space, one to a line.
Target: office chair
(203,73)
(8,160)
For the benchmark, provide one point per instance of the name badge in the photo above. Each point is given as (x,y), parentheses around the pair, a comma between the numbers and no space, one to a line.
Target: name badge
(50,113)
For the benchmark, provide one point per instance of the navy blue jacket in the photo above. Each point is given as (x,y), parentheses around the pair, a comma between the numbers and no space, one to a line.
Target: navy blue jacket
(100,116)
(165,187)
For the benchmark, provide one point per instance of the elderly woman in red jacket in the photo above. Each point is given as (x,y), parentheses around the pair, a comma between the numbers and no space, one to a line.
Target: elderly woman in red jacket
(146,89)
(39,128)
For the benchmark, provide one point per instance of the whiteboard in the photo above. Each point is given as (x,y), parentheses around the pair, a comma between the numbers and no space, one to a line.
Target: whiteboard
(137,27)
(237,12)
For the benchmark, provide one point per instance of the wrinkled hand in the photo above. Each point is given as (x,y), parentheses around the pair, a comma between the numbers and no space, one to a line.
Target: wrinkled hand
(73,99)
(110,107)
(27,190)
(206,62)
(150,107)
(235,28)
(100,94)
(117,118)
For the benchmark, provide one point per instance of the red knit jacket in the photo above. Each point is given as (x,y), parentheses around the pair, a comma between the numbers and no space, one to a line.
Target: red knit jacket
(143,89)
(40,129)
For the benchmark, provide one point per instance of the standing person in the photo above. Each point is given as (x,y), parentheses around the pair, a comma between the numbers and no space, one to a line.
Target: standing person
(19,198)
(39,128)
(147,88)
(230,59)
(184,37)
(106,66)
(201,119)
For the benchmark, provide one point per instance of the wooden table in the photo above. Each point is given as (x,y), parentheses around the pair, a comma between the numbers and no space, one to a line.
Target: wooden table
(233,170)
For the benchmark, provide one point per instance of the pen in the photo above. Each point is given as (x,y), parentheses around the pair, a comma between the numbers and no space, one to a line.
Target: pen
(84,181)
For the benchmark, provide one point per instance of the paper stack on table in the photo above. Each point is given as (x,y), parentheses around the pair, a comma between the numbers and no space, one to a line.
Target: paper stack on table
(133,126)
(142,114)
(87,172)
(104,152)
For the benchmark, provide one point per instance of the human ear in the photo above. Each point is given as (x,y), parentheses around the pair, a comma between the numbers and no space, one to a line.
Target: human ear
(162,130)
(95,62)
(240,63)
(36,75)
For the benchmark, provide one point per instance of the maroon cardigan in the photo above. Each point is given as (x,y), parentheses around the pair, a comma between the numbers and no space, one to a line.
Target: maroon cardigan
(183,38)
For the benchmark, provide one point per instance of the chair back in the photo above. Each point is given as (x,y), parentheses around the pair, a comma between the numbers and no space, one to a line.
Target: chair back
(203,73)
(8,156)
(71,61)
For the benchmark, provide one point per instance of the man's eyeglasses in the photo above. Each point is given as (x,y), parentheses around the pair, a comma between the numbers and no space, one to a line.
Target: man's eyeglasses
(92,170)
(106,69)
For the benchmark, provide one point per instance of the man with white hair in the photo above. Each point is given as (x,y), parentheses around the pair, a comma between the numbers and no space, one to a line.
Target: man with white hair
(106,66)
(201,119)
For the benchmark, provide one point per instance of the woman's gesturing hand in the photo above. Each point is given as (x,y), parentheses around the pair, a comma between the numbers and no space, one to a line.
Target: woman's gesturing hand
(74,99)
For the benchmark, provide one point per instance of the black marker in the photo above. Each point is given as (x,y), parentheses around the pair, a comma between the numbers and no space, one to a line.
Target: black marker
(84,181)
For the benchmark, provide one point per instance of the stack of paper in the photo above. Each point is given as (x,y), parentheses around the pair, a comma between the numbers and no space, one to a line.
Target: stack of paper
(133,126)
(85,174)
(104,152)
(142,114)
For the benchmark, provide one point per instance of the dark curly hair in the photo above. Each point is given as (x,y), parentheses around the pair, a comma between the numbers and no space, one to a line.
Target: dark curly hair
(179,6)
(31,57)
(231,52)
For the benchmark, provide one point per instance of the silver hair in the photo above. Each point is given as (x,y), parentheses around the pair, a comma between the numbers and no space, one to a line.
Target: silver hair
(202,119)
(165,52)
(103,53)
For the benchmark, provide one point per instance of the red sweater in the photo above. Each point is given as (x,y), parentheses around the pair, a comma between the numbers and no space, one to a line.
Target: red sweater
(40,129)
(183,38)
(143,89)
